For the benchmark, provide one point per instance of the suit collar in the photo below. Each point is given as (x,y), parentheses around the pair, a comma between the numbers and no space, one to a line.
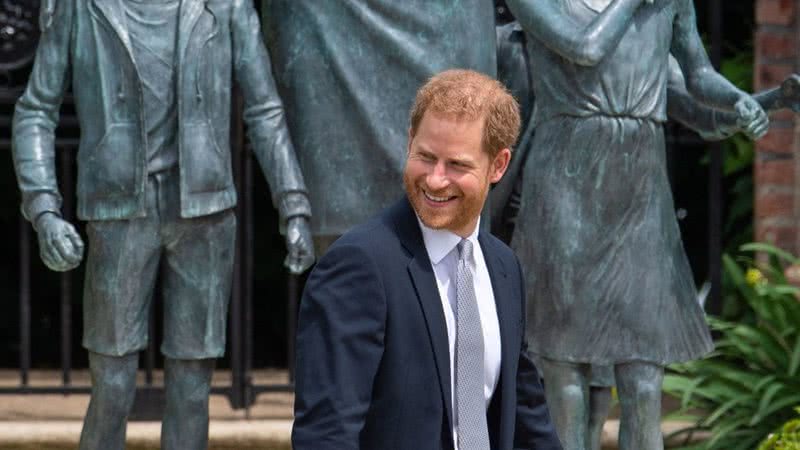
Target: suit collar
(422,277)
(439,243)
(508,315)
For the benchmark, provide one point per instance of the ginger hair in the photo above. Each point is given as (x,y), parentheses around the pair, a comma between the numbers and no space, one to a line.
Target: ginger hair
(469,95)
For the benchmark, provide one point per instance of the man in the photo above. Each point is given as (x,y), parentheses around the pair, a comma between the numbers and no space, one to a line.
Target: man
(152,87)
(596,229)
(411,327)
(350,69)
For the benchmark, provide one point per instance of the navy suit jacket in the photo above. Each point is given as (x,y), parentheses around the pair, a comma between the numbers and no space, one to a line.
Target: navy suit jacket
(373,367)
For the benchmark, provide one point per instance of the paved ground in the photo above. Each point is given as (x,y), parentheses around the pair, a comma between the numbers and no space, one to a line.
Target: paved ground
(53,422)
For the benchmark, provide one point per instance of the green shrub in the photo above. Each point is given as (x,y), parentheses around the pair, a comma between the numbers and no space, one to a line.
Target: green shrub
(788,438)
(747,388)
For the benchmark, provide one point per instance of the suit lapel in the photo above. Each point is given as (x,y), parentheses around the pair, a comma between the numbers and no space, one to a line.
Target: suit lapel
(113,12)
(508,318)
(424,281)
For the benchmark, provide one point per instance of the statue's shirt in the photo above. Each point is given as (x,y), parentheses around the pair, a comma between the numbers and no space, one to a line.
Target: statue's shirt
(631,81)
(152,25)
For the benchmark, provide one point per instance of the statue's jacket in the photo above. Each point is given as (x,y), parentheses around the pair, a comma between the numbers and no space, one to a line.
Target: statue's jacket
(86,45)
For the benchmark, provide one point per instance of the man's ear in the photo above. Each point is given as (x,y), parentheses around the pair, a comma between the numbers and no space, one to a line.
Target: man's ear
(408,145)
(499,165)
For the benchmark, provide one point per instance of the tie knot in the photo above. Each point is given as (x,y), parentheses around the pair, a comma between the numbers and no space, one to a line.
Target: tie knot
(464,250)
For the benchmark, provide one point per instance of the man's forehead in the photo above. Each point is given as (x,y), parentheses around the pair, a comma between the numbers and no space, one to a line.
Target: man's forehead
(455,116)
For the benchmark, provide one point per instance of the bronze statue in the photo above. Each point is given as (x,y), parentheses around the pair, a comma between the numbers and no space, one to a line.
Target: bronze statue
(152,88)
(350,69)
(608,281)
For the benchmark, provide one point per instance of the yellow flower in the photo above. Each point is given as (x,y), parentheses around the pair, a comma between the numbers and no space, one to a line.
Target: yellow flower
(754,276)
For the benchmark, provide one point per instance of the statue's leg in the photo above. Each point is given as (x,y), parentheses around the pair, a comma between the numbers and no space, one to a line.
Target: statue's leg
(639,388)
(188,384)
(566,387)
(121,268)
(600,384)
(599,407)
(113,391)
(196,275)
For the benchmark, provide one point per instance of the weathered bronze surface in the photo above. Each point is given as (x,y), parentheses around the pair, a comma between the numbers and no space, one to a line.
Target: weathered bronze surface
(152,87)
(349,70)
(608,280)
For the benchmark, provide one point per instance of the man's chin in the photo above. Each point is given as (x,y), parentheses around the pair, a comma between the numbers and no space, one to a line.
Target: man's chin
(433,223)
(436,220)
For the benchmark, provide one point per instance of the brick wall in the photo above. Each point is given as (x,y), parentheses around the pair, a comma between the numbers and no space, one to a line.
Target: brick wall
(777,164)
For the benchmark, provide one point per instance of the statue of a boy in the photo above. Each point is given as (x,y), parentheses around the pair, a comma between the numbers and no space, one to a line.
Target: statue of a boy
(152,86)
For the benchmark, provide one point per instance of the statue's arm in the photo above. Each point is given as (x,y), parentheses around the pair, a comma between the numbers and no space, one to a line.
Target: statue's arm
(264,115)
(702,81)
(710,123)
(37,112)
(585,45)
(269,135)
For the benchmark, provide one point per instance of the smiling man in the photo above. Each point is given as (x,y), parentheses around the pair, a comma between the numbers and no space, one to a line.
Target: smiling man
(411,326)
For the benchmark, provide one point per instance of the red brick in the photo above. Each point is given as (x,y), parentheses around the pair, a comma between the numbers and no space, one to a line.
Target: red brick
(774,172)
(784,237)
(783,115)
(769,75)
(775,12)
(772,203)
(777,140)
(776,44)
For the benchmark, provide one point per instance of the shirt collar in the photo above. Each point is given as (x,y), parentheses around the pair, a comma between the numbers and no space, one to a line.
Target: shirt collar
(439,243)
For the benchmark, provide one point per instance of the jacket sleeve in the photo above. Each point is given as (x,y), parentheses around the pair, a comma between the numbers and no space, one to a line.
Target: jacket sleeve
(534,429)
(264,115)
(36,115)
(339,348)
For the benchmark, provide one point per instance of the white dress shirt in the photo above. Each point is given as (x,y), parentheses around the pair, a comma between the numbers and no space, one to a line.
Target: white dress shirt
(442,251)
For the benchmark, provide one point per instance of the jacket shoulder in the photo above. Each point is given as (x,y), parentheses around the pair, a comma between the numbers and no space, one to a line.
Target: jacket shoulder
(499,247)
(373,236)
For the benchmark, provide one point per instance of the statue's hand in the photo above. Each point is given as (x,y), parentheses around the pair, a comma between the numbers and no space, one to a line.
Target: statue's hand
(752,119)
(299,245)
(60,246)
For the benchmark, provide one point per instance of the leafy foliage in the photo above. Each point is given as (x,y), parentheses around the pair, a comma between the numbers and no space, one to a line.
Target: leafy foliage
(747,388)
(788,438)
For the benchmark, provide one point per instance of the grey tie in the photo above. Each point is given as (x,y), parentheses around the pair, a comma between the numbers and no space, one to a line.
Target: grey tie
(473,433)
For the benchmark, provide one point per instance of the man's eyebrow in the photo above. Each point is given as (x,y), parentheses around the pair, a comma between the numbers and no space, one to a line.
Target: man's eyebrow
(421,148)
(462,160)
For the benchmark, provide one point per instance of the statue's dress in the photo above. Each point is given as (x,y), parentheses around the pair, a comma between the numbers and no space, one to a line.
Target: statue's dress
(607,277)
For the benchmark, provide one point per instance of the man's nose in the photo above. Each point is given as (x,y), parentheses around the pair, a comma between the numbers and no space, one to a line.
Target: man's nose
(437,178)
